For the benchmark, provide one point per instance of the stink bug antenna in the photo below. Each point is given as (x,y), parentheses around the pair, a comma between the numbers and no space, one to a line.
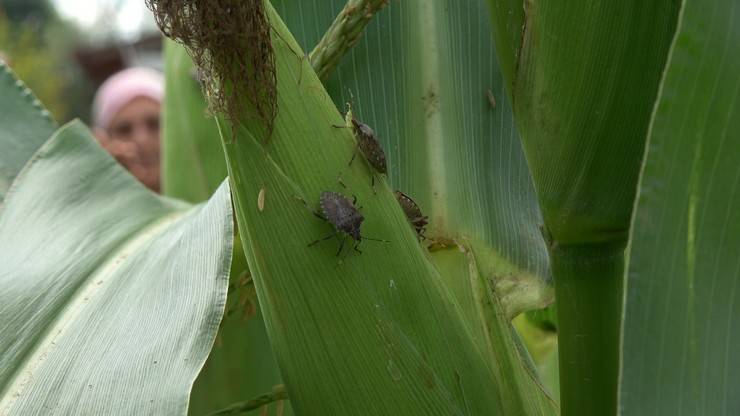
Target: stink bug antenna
(350,103)
(362,237)
(351,96)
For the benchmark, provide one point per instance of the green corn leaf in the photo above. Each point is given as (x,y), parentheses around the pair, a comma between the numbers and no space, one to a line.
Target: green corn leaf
(420,77)
(503,220)
(681,305)
(193,163)
(192,169)
(111,295)
(574,89)
(433,114)
(491,328)
(376,332)
(507,17)
(585,80)
(26,125)
(453,151)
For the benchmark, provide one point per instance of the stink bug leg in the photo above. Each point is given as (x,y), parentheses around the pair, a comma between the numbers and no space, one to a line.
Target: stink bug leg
(353,157)
(341,246)
(313,243)
(354,202)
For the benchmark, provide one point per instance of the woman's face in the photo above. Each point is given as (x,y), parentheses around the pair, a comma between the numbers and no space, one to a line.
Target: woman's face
(136,128)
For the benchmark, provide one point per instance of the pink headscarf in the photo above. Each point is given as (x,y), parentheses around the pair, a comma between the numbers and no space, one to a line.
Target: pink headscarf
(121,88)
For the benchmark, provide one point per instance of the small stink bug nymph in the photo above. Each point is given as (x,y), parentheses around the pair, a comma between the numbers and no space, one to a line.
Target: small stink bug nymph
(413,213)
(344,216)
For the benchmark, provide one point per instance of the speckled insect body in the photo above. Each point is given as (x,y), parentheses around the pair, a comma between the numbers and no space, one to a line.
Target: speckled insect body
(344,216)
(369,145)
(418,220)
(340,212)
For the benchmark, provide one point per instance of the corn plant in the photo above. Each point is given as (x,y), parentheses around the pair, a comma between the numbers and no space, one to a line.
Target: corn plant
(590,157)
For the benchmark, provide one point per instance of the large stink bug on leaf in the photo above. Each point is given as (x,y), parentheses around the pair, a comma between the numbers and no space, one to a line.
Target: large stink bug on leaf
(367,144)
(344,216)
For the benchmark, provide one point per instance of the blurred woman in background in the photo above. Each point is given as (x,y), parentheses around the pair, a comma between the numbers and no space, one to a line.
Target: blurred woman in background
(126,121)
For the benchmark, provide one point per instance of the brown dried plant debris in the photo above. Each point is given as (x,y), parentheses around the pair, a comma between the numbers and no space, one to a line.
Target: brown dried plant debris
(229,41)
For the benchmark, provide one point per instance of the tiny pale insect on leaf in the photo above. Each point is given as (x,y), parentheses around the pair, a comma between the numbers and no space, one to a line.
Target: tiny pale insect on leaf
(261,199)
(491,98)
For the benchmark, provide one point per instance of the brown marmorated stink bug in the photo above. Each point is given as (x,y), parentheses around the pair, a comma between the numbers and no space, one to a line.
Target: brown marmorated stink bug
(413,213)
(367,144)
(344,216)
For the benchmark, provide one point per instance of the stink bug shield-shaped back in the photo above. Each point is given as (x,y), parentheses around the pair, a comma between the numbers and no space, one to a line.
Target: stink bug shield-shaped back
(341,213)
(367,144)
(344,216)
